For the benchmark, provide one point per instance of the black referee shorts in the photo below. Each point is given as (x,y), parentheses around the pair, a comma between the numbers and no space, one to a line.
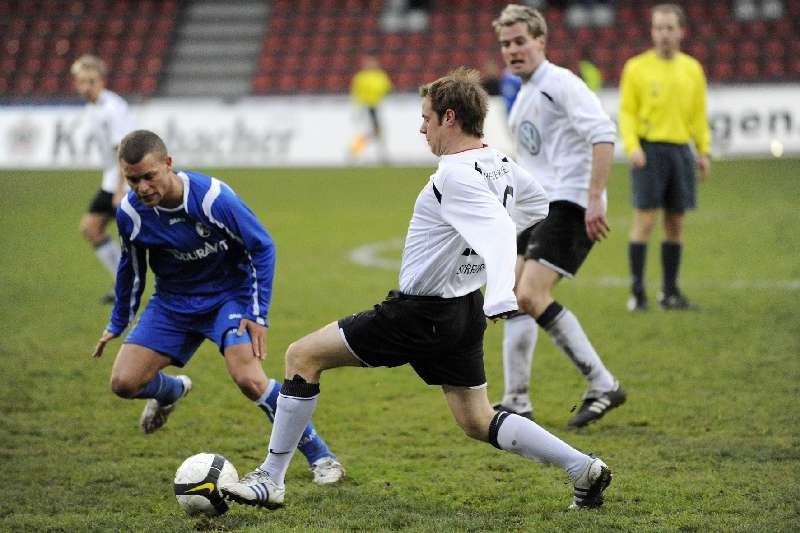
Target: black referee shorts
(559,241)
(441,338)
(667,180)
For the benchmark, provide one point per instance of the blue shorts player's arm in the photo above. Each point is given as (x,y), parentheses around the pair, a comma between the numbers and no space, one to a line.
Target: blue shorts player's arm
(230,213)
(131,272)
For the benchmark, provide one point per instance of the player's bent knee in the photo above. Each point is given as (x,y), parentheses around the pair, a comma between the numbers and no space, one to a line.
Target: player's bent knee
(125,388)
(298,359)
(531,303)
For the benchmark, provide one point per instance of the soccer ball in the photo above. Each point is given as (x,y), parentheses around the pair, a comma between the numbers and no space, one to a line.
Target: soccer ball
(197,483)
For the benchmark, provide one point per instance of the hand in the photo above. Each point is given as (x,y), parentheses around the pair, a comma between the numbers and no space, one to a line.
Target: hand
(258,337)
(101,344)
(597,227)
(638,159)
(704,164)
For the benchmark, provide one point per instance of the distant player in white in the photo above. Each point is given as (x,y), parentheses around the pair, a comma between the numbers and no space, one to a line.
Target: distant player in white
(110,120)
(566,140)
(461,236)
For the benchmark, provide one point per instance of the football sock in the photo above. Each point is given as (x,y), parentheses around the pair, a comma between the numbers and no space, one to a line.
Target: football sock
(108,253)
(164,388)
(295,405)
(670,264)
(519,340)
(567,333)
(524,437)
(637,252)
(311,444)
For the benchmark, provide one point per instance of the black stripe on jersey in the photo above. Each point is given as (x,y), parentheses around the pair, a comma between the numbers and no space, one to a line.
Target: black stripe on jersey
(548,96)
(437,193)
(478,168)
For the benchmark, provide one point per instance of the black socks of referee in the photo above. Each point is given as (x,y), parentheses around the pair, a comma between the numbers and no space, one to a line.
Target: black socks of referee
(670,264)
(637,253)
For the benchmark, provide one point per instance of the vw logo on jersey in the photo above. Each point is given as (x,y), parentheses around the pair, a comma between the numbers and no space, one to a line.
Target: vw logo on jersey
(202,230)
(529,137)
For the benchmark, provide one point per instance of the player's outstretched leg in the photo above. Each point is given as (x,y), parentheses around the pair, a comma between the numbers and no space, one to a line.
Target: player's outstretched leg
(321,460)
(164,392)
(590,476)
(264,486)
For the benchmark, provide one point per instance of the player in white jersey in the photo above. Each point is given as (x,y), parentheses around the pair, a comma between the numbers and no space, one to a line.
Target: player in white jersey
(110,120)
(566,140)
(461,236)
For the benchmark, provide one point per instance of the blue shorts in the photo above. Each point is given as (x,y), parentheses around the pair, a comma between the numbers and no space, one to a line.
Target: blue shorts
(178,335)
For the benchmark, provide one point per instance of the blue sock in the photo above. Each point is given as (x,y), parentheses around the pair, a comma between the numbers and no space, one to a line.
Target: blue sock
(164,388)
(311,444)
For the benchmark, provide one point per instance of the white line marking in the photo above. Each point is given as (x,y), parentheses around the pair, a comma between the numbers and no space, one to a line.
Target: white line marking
(372,256)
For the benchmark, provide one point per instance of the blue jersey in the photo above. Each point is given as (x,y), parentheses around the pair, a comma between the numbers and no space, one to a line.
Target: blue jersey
(205,251)
(509,87)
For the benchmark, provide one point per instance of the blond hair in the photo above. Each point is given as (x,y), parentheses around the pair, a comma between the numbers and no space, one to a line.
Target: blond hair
(462,92)
(671,8)
(514,13)
(89,62)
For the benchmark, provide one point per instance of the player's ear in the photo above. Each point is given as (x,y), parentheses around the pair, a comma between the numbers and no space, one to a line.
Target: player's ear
(168,161)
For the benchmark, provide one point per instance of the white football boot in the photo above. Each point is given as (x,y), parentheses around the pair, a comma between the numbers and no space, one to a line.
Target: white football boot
(327,471)
(155,415)
(256,488)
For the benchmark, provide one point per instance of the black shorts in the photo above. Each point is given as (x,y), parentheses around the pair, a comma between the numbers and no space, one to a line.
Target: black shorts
(667,180)
(559,241)
(441,338)
(102,203)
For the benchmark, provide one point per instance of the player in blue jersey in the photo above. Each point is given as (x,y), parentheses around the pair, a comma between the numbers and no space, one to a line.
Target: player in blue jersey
(213,263)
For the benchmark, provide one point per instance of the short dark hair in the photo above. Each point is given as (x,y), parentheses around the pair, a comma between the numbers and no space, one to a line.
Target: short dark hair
(671,8)
(139,143)
(462,92)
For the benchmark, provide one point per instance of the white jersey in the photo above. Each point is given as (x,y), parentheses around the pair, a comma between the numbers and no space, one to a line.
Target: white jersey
(462,233)
(554,122)
(110,120)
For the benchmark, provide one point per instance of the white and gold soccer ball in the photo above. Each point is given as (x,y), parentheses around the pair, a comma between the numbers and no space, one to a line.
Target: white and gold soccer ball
(197,483)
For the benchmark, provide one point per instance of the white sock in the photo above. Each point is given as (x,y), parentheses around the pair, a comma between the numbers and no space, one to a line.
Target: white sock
(108,253)
(568,335)
(519,340)
(291,418)
(526,438)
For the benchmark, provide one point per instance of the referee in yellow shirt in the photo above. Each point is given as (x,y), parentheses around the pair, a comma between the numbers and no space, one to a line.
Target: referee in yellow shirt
(369,87)
(662,108)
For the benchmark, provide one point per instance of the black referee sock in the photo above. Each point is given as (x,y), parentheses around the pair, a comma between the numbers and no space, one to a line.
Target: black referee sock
(670,263)
(637,252)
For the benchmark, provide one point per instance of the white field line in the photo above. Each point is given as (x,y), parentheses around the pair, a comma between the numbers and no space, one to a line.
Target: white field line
(372,255)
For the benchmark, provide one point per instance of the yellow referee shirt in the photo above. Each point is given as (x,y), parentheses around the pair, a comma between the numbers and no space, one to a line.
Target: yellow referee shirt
(369,86)
(663,100)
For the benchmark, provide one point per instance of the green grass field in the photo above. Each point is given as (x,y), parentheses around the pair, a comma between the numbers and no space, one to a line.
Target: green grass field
(708,441)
